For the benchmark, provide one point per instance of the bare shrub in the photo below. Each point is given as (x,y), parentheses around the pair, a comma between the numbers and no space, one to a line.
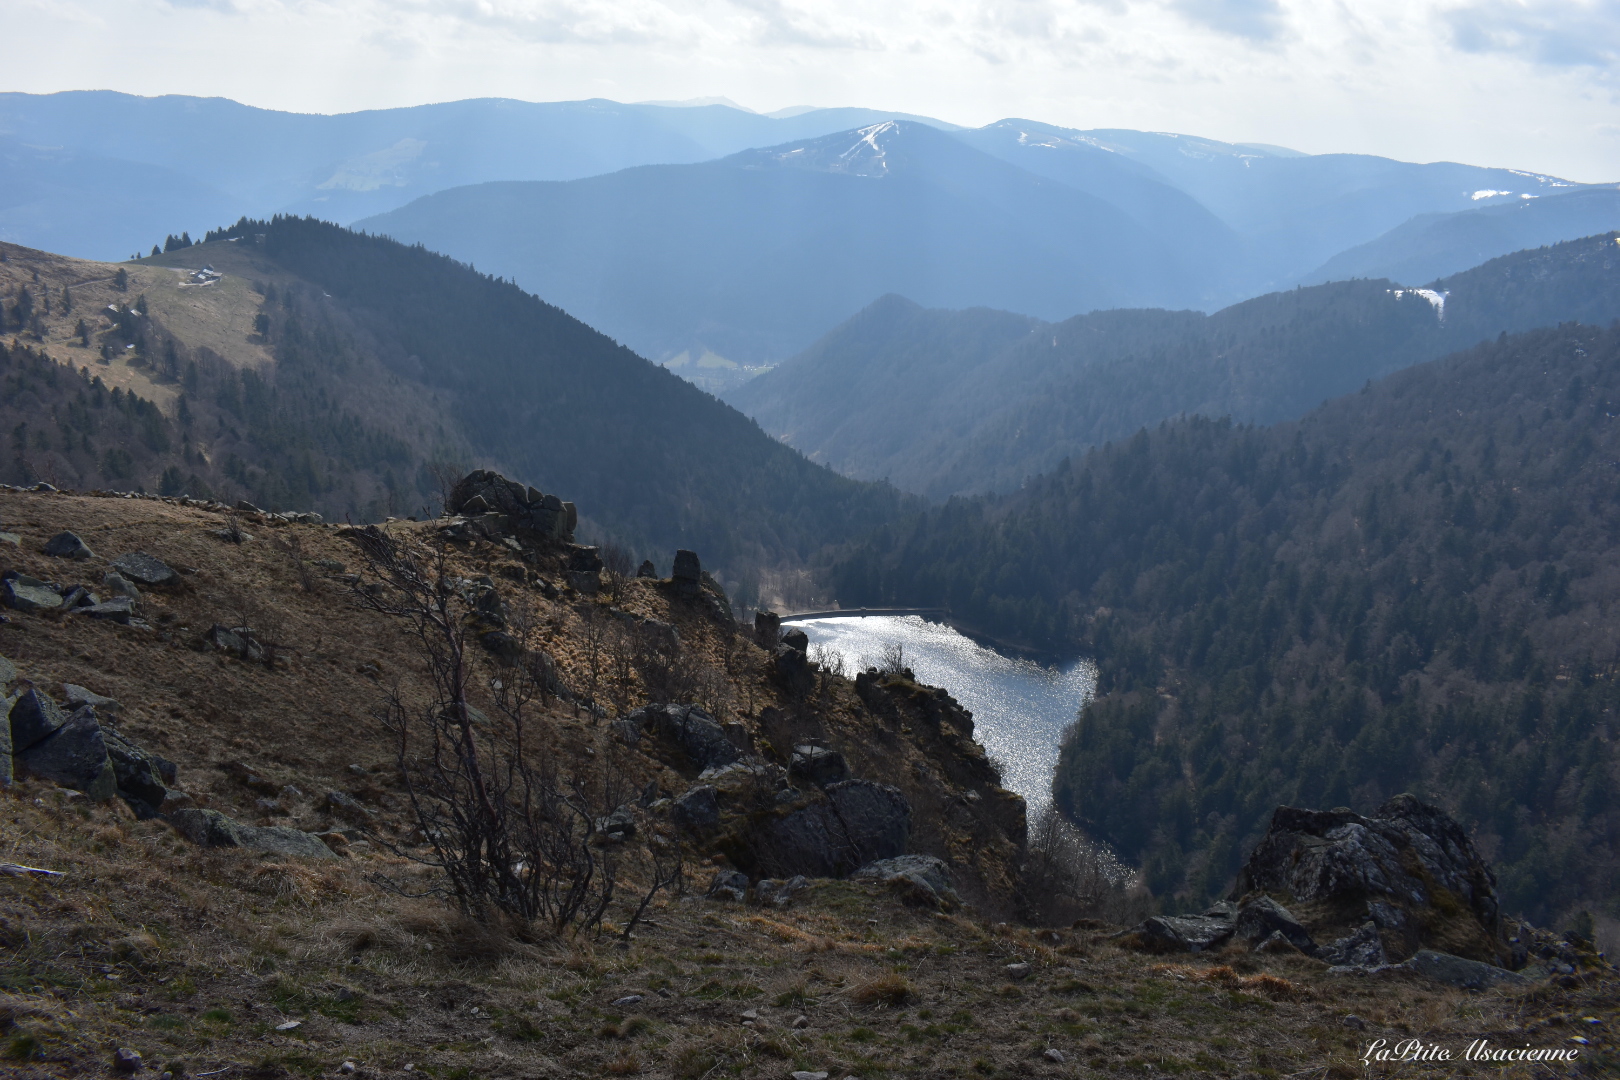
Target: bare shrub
(616,567)
(293,548)
(892,659)
(1069,876)
(829,660)
(510,838)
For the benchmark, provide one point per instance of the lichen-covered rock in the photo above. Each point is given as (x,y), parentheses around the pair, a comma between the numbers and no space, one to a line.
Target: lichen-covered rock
(922,879)
(33,717)
(144,569)
(1455,971)
(210,828)
(1409,869)
(1180,933)
(23,593)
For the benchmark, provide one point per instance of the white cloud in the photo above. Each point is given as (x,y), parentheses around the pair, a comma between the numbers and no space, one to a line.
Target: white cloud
(1526,84)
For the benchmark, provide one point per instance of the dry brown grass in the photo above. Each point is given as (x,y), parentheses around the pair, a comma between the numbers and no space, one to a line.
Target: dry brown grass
(891,990)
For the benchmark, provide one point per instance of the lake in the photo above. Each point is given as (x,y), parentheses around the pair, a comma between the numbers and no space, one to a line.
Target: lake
(1020,708)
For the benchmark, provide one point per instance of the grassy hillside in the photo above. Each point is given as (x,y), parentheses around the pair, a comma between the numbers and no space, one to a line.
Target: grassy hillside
(1408,589)
(231,961)
(332,371)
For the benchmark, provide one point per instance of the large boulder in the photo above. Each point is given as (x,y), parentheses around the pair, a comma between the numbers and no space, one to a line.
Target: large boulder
(698,810)
(1409,869)
(8,673)
(1455,971)
(74,756)
(1181,933)
(210,828)
(526,509)
(818,765)
(858,822)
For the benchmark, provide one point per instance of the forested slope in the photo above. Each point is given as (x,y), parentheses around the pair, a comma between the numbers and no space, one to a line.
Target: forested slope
(1411,589)
(389,361)
(879,397)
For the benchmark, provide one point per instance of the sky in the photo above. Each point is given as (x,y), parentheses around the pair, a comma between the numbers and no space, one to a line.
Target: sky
(1528,84)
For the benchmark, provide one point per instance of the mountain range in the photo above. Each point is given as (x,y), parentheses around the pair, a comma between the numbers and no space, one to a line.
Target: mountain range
(614,211)
(946,402)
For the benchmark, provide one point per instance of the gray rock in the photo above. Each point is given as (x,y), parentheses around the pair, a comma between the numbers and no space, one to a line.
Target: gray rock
(818,765)
(143,569)
(1180,933)
(210,828)
(76,695)
(796,639)
(348,807)
(688,570)
(1018,972)
(703,741)
(858,822)
(33,717)
(698,809)
(66,545)
(118,585)
(1455,971)
(521,508)
(1277,942)
(1261,917)
(1362,949)
(585,582)
(126,1060)
(74,756)
(6,766)
(79,597)
(585,559)
(25,593)
(647,570)
(120,609)
(775,892)
(8,673)
(238,641)
(729,885)
(137,775)
(1054,1055)
(927,877)
(10,539)
(617,826)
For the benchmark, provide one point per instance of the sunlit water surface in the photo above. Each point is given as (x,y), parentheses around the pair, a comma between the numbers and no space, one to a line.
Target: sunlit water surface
(1020,709)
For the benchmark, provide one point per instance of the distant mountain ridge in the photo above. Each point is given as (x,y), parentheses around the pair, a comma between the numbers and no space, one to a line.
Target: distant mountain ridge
(756,254)
(940,404)
(227,159)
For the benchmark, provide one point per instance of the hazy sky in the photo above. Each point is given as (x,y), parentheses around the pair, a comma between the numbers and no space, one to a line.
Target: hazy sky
(1528,84)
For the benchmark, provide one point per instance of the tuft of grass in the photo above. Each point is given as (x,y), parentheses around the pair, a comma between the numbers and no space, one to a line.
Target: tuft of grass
(623,1065)
(23,1046)
(886,990)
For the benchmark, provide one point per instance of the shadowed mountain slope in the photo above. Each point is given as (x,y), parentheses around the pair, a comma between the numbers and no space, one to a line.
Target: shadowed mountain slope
(983,412)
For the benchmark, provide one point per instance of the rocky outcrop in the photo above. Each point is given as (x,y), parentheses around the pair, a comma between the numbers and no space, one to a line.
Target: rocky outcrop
(527,511)
(1409,870)
(791,665)
(701,741)
(23,593)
